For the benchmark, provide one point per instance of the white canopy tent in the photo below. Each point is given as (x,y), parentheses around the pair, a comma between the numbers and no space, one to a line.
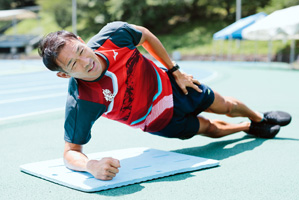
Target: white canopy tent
(16,14)
(279,25)
(234,31)
(13,42)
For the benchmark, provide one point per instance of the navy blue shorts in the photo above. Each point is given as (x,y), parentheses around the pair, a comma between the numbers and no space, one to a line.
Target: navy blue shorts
(184,123)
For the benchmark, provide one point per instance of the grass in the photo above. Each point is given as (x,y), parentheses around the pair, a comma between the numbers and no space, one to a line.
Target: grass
(42,26)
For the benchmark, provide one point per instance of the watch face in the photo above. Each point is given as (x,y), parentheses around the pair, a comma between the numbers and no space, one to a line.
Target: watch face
(174,68)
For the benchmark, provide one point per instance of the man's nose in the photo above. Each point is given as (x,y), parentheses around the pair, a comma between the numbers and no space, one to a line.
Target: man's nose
(84,61)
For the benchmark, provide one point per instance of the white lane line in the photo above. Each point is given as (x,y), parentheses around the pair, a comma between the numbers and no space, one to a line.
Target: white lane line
(209,78)
(31,114)
(30,89)
(33,98)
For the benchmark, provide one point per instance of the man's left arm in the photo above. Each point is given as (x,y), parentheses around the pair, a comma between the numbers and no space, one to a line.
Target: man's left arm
(153,45)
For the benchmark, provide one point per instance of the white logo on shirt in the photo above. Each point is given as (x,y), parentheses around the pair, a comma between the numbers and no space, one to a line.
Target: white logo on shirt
(108,95)
(115,54)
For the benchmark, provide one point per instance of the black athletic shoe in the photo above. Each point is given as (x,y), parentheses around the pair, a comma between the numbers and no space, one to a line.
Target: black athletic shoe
(277,117)
(263,130)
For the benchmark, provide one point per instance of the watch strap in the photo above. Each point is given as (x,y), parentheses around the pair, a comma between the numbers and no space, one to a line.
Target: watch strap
(174,68)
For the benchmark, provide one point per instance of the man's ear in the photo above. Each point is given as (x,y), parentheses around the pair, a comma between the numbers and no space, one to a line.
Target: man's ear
(63,75)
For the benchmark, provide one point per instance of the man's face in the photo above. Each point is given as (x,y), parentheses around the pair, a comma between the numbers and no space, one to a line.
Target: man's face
(79,61)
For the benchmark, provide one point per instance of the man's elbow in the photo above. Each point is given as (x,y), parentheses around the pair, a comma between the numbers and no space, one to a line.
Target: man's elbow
(146,34)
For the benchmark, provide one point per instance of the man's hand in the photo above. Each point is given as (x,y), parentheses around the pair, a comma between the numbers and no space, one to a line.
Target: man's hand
(104,169)
(75,159)
(185,80)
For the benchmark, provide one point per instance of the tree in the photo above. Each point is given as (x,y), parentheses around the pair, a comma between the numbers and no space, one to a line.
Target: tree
(277,5)
(12,4)
(61,10)
(63,14)
(250,7)
(160,16)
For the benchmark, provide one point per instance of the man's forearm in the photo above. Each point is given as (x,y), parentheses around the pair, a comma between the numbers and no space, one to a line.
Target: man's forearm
(75,160)
(157,50)
(153,45)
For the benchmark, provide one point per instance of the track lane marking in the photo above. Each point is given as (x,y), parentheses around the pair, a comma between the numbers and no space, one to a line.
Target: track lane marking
(33,98)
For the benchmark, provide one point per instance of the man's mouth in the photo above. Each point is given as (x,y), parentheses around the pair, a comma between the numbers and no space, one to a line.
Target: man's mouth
(92,66)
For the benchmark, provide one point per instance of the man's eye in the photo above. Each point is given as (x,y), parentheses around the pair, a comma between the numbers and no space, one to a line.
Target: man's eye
(74,64)
(81,51)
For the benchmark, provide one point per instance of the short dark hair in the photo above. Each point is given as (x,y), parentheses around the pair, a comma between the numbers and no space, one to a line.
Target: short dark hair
(51,45)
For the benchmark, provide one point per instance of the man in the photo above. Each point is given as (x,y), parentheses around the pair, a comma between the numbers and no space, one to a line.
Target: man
(110,77)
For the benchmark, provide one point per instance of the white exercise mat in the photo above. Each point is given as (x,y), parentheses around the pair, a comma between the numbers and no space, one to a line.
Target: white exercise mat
(137,165)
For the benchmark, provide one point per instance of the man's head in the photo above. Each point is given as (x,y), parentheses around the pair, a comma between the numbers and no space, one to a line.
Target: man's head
(64,52)
(50,47)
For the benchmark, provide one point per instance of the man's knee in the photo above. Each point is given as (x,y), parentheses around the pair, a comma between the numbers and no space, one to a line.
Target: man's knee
(210,129)
(224,105)
(230,104)
(213,131)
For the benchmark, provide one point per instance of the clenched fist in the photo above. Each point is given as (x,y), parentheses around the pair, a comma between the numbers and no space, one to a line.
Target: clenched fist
(104,169)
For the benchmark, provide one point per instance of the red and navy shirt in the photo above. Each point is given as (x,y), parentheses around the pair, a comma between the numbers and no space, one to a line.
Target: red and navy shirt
(132,90)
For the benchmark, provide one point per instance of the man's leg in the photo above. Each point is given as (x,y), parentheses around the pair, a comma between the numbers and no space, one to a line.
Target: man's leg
(218,128)
(232,108)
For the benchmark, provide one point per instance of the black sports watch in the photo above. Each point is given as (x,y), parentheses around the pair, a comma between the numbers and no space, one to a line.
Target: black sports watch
(174,68)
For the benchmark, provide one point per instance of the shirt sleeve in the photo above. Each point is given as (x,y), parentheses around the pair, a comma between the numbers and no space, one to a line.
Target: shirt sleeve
(80,116)
(121,34)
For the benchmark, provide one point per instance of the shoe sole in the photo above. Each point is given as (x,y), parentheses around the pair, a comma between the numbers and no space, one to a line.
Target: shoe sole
(282,118)
(275,129)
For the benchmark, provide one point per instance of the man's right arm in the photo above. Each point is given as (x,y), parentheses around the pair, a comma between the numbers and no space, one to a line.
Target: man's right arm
(154,46)
(75,159)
